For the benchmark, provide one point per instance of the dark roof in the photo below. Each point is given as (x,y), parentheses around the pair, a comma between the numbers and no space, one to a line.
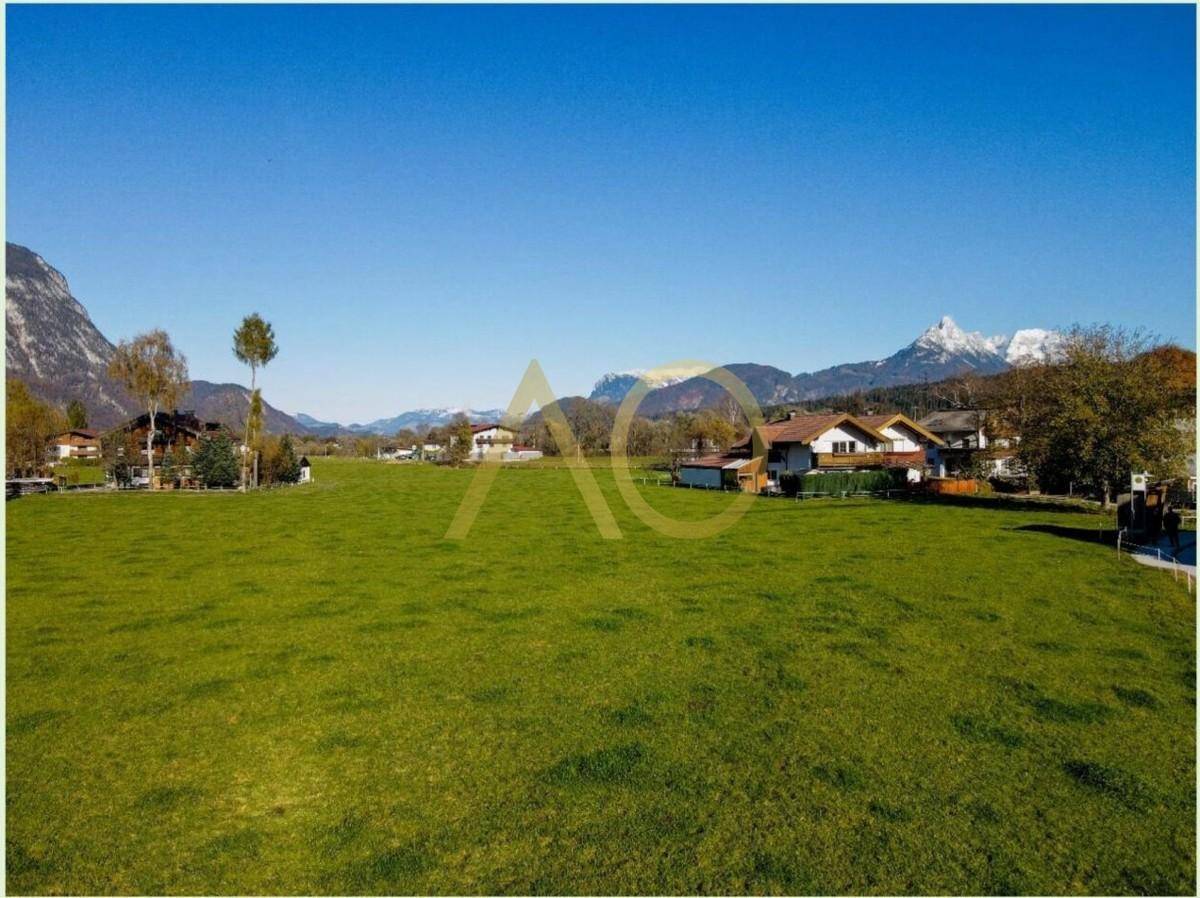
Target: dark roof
(476,428)
(185,420)
(953,421)
(304,462)
(81,431)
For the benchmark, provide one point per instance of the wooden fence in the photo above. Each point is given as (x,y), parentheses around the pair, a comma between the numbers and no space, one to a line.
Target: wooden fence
(948,486)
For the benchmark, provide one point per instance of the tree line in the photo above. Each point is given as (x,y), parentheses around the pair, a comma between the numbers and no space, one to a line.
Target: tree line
(155,374)
(1109,402)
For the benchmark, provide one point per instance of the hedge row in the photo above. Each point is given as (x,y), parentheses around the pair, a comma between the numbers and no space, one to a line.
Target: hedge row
(843,481)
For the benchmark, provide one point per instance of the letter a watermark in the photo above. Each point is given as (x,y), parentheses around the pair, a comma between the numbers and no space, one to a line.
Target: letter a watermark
(750,464)
(535,388)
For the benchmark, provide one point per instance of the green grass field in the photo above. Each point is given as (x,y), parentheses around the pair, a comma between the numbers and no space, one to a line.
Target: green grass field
(311,690)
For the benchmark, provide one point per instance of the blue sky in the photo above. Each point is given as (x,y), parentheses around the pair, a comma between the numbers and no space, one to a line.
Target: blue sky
(423,199)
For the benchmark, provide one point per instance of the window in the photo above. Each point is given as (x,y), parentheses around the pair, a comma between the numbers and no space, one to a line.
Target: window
(843,447)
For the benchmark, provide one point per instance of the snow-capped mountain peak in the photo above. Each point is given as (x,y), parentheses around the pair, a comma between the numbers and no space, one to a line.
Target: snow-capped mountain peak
(613,386)
(946,339)
(1032,345)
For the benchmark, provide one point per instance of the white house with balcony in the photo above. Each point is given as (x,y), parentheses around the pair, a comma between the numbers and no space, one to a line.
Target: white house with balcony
(491,440)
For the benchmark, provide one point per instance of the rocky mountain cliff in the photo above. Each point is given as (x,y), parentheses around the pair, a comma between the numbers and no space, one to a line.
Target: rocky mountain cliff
(52,344)
(56,349)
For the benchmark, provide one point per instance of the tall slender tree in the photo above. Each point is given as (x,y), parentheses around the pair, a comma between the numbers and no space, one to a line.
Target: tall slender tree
(254,345)
(153,371)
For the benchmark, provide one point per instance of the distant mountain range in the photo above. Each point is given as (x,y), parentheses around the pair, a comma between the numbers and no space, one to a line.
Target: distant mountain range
(417,419)
(56,349)
(943,350)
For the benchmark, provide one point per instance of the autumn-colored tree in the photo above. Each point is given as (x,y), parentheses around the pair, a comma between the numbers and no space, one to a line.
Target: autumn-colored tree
(29,425)
(1097,413)
(711,430)
(461,440)
(155,373)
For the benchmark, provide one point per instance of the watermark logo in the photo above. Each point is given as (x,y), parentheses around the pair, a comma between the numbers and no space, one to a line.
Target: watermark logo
(534,388)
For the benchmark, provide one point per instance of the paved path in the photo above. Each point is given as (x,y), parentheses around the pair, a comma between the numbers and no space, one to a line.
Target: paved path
(1165,557)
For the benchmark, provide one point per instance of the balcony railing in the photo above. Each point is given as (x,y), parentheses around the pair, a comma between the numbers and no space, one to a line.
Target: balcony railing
(849,459)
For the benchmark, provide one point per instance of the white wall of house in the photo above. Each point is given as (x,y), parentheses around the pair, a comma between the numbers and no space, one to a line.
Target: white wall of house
(842,434)
(492,438)
(796,457)
(66,450)
(799,457)
(708,477)
(522,454)
(903,438)
(965,439)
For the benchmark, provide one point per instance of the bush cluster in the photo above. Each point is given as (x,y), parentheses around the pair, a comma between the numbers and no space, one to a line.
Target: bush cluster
(279,463)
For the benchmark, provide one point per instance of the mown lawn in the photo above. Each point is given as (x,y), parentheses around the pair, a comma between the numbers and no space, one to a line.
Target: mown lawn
(312,690)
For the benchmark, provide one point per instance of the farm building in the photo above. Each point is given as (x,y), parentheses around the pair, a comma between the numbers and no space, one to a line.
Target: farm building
(75,443)
(391,452)
(521,453)
(429,451)
(728,471)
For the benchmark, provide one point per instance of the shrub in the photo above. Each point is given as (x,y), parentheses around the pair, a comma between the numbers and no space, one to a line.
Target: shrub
(843,481)
(214,462)
(279,462)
